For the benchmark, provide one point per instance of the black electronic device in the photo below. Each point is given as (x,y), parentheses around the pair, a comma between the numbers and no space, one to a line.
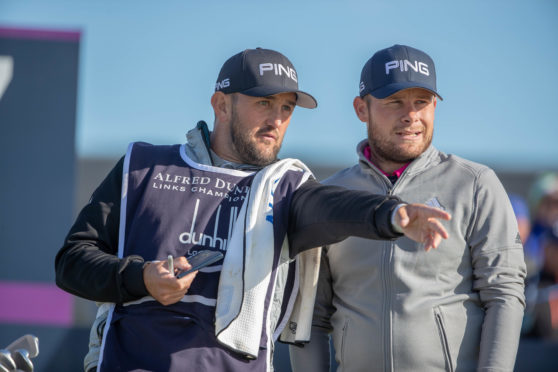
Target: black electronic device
(201,260)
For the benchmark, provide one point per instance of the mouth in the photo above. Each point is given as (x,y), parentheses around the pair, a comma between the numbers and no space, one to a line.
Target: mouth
(270,136)
(409,135)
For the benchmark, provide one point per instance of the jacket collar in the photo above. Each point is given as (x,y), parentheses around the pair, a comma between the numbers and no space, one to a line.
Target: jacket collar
(425,160)
(198,152)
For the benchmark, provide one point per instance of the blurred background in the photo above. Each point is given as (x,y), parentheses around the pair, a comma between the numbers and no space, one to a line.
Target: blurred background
(79,80)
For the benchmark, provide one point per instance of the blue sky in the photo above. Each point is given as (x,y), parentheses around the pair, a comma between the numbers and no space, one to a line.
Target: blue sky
(148,69)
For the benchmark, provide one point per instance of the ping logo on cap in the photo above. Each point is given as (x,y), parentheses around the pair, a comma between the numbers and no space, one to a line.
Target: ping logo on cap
(225,83)
(405,64)
(278,69)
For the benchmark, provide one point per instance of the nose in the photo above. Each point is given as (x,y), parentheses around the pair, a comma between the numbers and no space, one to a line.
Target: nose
(276,117)
(411,113)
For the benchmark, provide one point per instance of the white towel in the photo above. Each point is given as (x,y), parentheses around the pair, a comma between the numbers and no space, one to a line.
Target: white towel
(248,265)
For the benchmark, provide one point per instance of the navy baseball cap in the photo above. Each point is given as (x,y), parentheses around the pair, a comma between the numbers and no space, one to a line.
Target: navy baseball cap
(261,73)
(396,68)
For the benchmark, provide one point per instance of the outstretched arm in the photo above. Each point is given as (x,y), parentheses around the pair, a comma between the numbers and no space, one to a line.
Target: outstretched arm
(322,215)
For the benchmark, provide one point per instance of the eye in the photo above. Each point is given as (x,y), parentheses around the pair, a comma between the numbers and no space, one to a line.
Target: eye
(394,102)
(288,108)
(264,103)
(423,102)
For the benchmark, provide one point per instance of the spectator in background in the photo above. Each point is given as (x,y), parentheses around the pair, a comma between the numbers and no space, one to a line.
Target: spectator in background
(543,202)
(521,211)
(541,315)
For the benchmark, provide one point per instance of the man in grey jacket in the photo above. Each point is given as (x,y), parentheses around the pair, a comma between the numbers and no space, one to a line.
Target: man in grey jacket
(389,305)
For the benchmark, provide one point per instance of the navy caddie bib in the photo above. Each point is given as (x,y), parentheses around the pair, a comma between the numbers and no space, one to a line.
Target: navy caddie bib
(177,207)
(172,205)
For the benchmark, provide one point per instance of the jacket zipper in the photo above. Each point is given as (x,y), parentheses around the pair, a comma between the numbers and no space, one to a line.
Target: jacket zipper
(386,273)
(388,259)
(387,283)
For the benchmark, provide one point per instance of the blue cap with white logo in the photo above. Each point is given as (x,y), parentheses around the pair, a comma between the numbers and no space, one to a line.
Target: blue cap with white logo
(261,73)
(396,68)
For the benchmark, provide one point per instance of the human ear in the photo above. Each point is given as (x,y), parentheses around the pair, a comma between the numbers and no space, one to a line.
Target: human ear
(361,109)
(221,107)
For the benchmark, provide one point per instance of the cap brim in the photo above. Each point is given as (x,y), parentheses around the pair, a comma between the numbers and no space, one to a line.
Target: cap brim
(303,99)
(390,89)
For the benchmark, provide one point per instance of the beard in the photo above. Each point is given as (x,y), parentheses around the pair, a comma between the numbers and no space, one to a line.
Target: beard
(385,150)
(247,148)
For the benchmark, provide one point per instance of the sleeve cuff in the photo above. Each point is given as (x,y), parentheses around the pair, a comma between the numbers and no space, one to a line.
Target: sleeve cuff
(133,278)
(384,217)
(394,224)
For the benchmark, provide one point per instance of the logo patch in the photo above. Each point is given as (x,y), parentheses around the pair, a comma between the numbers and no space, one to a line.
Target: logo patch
(435,203)
(225,83)
(405,65)
(278,69)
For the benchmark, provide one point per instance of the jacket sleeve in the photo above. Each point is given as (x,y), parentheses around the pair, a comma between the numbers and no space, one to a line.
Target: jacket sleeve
(499,273)
(87,264)
(315,355)
(321,215)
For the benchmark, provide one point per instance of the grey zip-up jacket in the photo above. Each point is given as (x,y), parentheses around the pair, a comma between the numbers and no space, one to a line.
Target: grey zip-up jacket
(398,308)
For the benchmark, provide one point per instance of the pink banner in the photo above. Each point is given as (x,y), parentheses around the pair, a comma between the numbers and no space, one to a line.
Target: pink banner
(35,303)
(39,34)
